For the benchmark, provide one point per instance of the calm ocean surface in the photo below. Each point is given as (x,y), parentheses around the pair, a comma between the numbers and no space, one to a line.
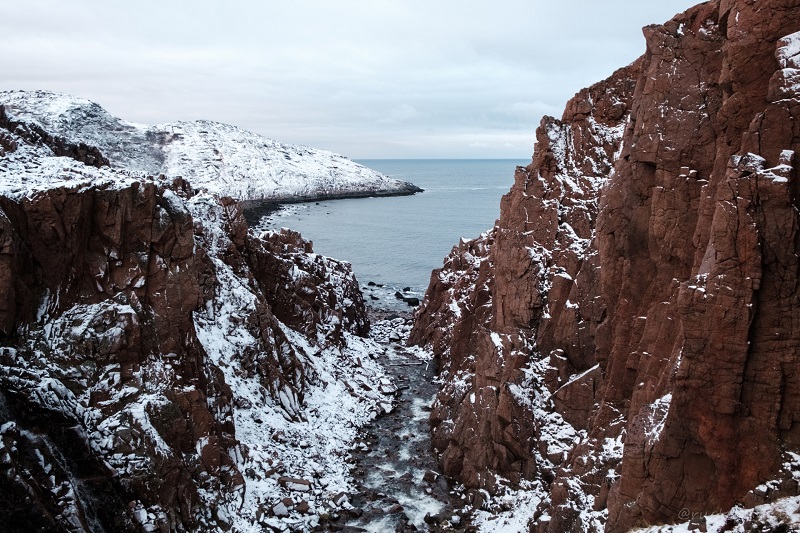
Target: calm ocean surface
(397,241)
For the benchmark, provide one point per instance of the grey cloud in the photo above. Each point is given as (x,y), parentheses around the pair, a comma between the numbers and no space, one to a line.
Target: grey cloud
(364,78)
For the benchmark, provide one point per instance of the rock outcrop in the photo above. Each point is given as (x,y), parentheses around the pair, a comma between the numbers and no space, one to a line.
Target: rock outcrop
(624,341)
(162,368)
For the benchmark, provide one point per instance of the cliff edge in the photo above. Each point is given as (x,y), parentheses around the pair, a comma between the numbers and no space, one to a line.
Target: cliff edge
(162,367)
(622,347)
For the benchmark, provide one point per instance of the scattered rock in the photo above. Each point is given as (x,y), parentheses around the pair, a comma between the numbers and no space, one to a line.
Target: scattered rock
(430,476)
(394,509)
(280,509)
(302,507)
(340,499)
(295,484)
(387,387)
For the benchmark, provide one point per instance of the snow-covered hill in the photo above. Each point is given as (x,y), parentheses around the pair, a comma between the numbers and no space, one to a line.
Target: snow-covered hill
(220,158)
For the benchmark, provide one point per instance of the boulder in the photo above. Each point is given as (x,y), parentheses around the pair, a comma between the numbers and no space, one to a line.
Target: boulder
(295,484)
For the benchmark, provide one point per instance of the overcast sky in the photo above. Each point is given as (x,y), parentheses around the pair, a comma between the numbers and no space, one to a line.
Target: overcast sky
(368,79)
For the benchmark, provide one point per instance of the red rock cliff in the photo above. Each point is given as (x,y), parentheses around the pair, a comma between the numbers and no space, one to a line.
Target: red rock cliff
(626,336)
(151,347)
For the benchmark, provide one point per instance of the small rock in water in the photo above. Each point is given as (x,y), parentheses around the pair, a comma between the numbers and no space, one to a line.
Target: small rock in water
(396,508)
(387,387)
(140,515)
(340,499)
(430,476)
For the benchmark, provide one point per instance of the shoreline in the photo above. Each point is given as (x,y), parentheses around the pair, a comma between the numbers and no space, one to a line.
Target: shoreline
(376,314)
(255,210)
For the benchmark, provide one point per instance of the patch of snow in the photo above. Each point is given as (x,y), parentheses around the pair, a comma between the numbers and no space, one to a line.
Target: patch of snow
(781,515)
(788,51)
(657,417)
(516,509)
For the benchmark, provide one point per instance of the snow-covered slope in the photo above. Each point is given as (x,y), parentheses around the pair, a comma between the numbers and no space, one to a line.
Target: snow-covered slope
(220,158)
(162,367)
(26,169)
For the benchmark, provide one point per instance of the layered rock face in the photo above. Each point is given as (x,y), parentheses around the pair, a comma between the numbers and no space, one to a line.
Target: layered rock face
(624,341)
(159,363)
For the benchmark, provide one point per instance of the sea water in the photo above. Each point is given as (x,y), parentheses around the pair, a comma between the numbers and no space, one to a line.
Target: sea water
(397,241)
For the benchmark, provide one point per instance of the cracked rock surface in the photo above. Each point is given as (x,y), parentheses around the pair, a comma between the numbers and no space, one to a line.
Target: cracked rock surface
(623,345)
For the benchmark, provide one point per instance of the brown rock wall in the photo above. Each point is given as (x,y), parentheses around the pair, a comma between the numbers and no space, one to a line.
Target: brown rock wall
(101,362)
(642,284)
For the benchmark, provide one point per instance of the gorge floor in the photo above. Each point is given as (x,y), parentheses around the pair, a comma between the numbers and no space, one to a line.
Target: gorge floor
(398,484)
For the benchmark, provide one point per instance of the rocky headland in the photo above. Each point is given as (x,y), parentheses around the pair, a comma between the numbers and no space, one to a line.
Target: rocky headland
(622,348)
(219,158)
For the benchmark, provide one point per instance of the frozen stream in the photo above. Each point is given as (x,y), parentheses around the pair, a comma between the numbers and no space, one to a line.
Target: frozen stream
(395,472)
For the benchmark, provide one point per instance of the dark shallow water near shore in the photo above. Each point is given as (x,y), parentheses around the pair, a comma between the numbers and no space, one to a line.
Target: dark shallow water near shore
(397,241)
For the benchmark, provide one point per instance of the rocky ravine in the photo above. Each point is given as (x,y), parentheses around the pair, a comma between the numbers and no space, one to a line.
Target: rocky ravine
(162,368)
(622,349)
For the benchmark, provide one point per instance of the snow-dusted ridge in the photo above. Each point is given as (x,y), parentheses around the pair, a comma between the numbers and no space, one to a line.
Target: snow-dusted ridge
(220,158)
